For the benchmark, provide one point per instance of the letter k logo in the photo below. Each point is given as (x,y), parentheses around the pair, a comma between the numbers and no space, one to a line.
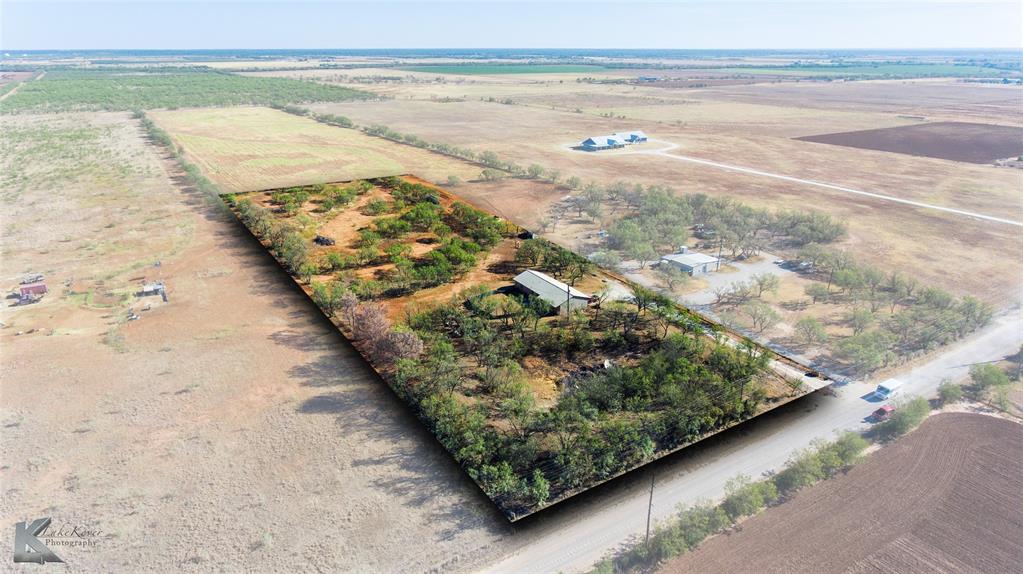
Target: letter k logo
(28,548)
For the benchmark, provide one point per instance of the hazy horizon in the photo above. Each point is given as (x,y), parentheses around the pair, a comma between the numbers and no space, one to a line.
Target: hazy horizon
(388,25)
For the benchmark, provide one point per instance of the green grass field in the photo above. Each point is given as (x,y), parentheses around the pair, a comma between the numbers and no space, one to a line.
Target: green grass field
(84,90)
(492,69)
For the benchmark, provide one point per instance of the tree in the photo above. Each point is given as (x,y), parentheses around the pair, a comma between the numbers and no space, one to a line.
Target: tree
(803,470)
(539,488)
(762,315)
(454,181)
(535,171)
(573,183)
(672,277)
(986,375)
(811,331)
(397,345)
(766,282)
(490,174)
(370,322)
(607,259)
(745,498)
(865,351)
(306,272)
(817,292)
(643,252)
(906,417)
(860,319)
(949,392)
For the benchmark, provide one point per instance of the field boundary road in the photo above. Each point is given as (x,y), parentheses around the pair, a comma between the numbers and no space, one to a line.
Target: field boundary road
(664,152)
(576,543)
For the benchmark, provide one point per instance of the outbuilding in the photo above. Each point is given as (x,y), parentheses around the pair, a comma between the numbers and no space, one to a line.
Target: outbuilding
(558,295)
(632,137)
(597,143)
(692,263)
(35,289)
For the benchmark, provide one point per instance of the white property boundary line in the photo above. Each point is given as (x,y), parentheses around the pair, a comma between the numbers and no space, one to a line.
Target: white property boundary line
(725,166)
(663,152)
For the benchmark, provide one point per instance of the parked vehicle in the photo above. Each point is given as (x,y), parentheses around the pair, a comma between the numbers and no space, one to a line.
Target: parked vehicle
(882,414)
(888,389)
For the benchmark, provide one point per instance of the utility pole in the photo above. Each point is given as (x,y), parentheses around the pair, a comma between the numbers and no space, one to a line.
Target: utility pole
(650,508)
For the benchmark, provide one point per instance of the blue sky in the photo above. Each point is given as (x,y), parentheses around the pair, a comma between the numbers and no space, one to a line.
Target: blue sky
(488,24)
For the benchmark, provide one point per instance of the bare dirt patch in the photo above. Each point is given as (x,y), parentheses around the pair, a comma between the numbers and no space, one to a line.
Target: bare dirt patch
(219,430)
(943,499)
(958,141)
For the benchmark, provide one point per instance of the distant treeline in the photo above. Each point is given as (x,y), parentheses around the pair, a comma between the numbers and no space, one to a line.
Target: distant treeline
(119,90)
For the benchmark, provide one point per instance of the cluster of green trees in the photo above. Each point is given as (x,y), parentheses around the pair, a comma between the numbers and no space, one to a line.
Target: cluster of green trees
(609,420)
(893,316)
(659,221)
(545,256)
(990,382)
(285,239)
(743,497)
(110,90)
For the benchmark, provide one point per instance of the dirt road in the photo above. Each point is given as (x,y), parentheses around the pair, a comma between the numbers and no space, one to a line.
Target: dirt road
(574,541)
(665,152)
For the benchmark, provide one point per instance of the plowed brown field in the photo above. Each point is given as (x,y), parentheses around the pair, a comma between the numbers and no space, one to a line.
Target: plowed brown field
(944,499)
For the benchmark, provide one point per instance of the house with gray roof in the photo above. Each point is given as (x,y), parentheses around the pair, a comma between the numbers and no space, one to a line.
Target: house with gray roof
(558,295)
(692,263)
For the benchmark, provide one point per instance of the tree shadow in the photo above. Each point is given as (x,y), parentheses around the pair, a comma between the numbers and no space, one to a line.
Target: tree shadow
(416,469)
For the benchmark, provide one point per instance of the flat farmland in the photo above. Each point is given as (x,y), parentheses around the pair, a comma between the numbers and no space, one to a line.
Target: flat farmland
(958,141)
(250,148)
(943,499)
(984,252)
(939,99)
(233,408)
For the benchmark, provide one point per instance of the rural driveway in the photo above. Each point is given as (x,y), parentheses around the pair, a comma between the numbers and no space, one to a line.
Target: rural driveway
(576,543)
(744,271)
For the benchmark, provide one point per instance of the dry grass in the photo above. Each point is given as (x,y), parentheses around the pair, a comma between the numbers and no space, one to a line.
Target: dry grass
(896,237)
(234,409)
(251,148)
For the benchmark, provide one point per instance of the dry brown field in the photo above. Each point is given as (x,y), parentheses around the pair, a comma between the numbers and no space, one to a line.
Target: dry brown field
(11,77)
(250,148)
(525,134)
(234,409)
(957,141)
(943,499)
(934,99)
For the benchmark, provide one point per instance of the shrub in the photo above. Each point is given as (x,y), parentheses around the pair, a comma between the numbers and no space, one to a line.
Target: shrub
(905,419)
(949,392)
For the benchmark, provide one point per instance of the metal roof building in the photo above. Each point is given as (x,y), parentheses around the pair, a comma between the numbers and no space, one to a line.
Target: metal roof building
(691,262)
(602,142)
(554,292)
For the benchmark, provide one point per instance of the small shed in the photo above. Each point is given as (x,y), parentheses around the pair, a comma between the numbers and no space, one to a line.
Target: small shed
(632,137)
(557,294)
(692,263)
(36,289)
